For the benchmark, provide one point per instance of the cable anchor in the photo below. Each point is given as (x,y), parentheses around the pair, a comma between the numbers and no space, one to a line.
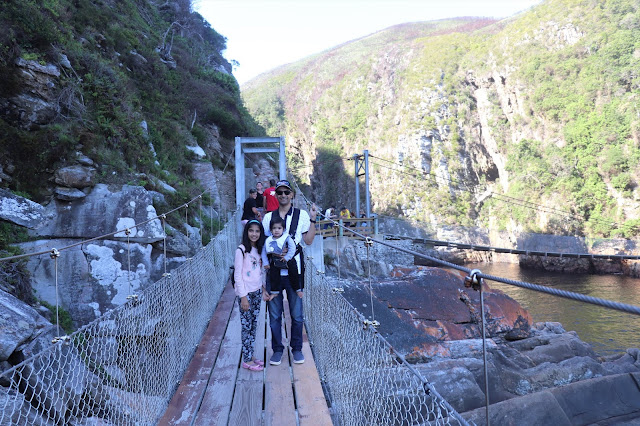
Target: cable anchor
(473,280)
(127,231)
(336,290)
(366,323)
(54,253)
(64,339)
(368,242)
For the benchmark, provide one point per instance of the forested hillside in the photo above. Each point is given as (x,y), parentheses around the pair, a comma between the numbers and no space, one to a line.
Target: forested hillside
(526,124)
(129,84)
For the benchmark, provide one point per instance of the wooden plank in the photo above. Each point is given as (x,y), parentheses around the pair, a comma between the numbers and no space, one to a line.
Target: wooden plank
(246,408)
(216,403)
(312,405)
(279,406)
(184,404)
(310,401)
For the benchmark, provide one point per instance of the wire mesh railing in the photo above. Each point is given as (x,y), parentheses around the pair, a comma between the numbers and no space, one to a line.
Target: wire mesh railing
(123,368)
(367,381)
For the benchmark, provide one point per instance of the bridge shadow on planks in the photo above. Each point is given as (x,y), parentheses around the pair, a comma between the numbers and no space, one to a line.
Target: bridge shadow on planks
(215,390)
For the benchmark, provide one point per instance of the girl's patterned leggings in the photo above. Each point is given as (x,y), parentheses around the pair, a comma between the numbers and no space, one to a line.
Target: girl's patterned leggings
(249,320)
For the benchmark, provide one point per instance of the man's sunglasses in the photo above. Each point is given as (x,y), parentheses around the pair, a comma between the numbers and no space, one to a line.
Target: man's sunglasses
(283,192)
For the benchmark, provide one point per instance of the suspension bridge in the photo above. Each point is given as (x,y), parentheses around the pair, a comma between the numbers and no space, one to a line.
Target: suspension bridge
(171,355)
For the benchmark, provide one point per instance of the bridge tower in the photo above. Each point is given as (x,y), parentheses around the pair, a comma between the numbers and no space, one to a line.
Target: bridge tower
(256,146)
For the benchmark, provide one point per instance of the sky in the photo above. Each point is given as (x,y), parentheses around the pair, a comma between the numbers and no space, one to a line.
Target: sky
(264,34)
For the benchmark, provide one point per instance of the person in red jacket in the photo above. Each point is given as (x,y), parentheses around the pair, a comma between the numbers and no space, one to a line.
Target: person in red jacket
(270,200)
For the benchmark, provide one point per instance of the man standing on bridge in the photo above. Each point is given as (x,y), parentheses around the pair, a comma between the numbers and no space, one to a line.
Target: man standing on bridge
(302,229)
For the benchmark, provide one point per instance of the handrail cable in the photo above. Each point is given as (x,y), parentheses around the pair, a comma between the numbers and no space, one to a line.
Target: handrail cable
(161,216)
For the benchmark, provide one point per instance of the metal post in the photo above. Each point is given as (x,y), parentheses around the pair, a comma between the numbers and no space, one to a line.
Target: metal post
(366,182)
(484,355)
(240,189)
(375,225)
(341,229)
(282,167)
(356,162)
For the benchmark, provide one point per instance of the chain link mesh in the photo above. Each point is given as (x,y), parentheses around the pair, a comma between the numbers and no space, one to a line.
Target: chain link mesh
(123,368)
(368,382)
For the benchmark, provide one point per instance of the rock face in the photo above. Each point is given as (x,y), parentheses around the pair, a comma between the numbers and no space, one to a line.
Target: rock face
(36,104)
(103,212)
(95,277)
(92,278)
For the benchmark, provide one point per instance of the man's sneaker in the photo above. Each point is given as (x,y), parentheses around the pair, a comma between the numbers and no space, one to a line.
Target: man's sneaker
(276,358)
(298,358)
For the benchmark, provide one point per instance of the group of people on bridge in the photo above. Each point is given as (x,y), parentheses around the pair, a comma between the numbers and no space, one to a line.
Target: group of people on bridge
(270,262)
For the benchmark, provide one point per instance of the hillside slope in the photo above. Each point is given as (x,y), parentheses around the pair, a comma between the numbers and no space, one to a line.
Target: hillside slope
(137,89)
(526,124)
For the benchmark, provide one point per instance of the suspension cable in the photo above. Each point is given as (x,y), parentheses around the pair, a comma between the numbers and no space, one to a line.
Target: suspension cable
(475,247)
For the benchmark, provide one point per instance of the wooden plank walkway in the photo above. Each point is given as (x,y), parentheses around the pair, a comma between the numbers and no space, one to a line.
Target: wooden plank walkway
(215,390)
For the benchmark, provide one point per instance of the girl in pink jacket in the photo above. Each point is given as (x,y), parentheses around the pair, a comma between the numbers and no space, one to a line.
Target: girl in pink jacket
(248,279)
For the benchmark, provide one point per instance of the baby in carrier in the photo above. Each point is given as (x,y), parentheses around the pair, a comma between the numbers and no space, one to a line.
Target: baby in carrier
(280,267)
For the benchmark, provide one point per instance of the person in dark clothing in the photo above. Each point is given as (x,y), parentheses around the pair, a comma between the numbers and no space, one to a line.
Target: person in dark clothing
(249,209)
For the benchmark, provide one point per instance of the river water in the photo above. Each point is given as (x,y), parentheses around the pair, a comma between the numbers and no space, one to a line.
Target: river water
(608,331)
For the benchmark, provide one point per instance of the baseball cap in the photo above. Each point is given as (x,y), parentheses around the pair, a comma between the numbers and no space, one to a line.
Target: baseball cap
(283,183)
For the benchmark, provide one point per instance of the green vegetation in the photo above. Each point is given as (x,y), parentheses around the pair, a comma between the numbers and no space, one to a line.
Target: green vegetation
(553,93)
(130,61)
(66,322)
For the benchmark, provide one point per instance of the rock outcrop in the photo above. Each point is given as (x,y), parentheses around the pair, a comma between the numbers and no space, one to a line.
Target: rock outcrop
(36,103)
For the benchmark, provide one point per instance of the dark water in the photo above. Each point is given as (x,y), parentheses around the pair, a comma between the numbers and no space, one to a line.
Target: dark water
(607,331)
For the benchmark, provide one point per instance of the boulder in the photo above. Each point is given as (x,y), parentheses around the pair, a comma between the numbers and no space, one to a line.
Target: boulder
(76,176)
(20,210)
(204,173)
(104,212)
(603,400)
(18,323)
(68,194)
(431,306)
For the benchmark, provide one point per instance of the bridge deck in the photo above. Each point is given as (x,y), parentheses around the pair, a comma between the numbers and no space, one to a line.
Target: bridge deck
(215,390)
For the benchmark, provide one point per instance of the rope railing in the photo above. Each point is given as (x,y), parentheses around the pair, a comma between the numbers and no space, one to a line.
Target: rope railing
(123,368)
